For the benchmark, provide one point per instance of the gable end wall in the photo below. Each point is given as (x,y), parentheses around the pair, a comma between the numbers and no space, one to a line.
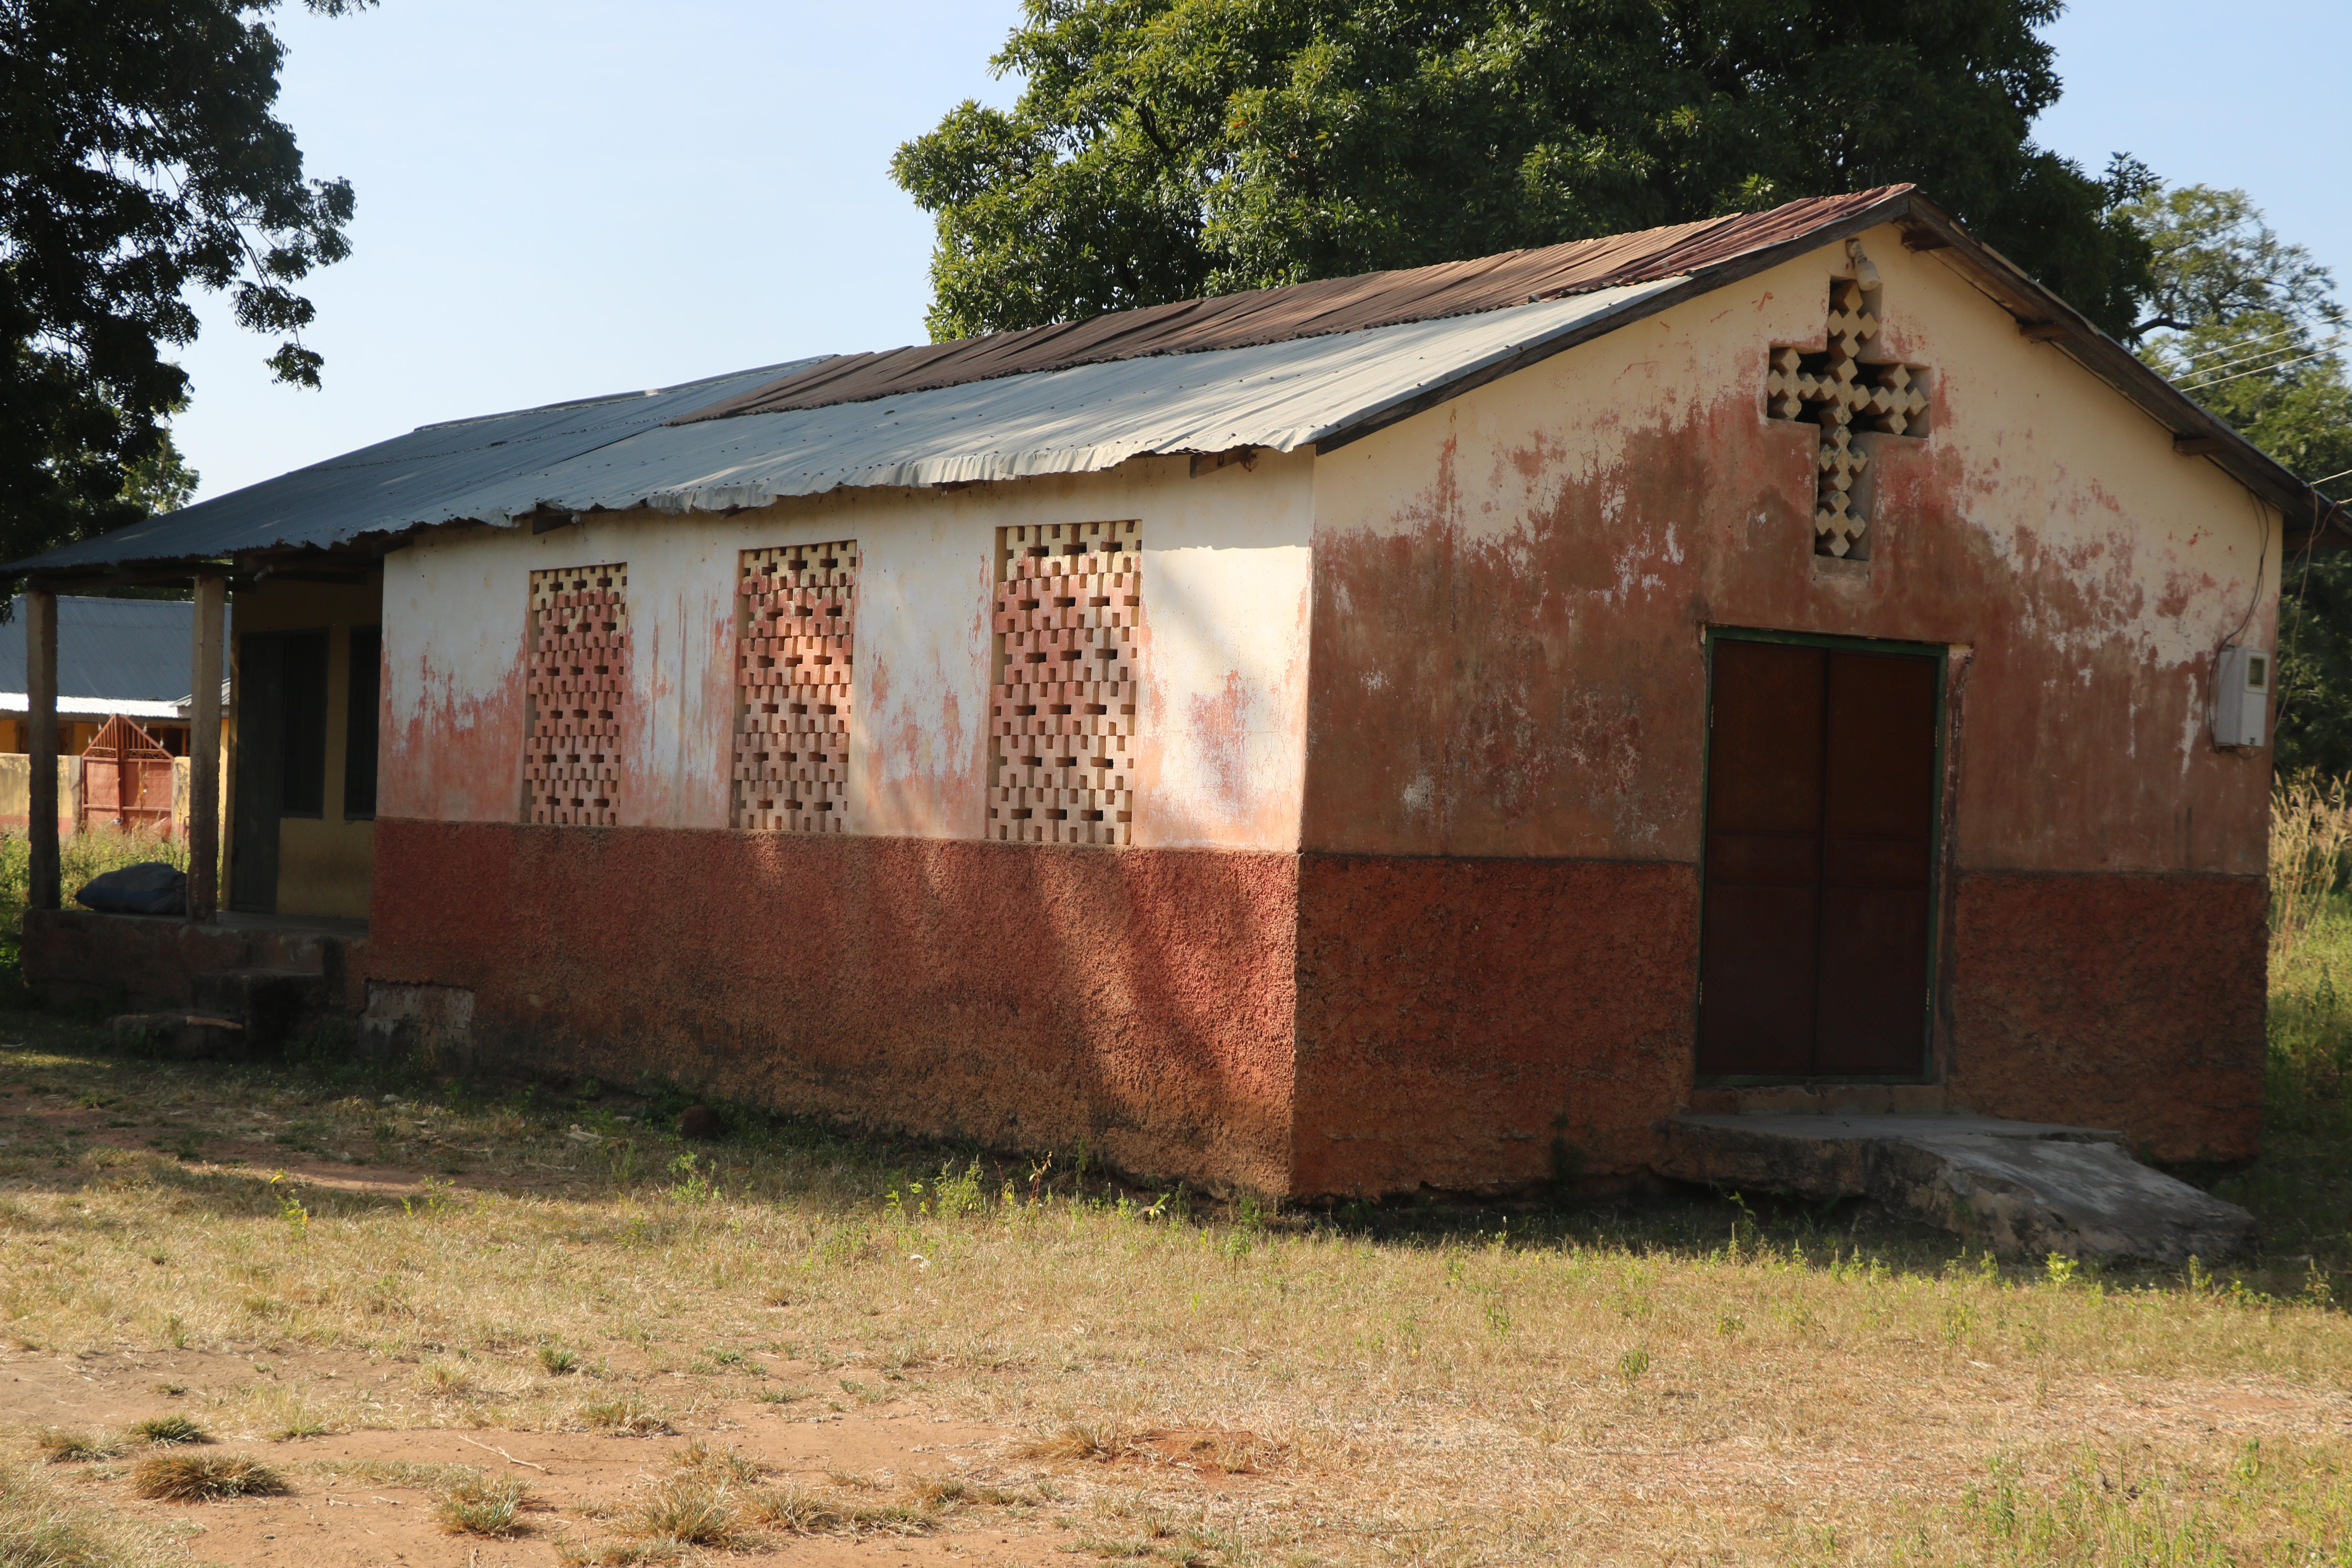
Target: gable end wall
(1507,736)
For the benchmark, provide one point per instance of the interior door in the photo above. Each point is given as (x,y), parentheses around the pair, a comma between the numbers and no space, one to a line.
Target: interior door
(1820,815)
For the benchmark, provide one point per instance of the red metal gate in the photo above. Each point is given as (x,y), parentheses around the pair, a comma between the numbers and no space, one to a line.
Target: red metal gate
(126,779)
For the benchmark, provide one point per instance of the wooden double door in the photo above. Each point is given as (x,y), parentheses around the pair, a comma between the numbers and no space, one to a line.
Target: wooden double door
(1820,872)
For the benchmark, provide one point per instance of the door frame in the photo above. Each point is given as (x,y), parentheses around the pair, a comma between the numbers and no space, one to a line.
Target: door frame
(1942,653)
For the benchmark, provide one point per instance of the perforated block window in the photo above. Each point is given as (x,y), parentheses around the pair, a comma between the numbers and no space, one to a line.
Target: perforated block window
(1069,598)
(578,687)
(796,628)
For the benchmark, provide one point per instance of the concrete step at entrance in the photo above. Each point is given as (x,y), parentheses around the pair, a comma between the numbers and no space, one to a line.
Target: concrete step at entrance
(195,1035)
(2026,1189)
(276,1005)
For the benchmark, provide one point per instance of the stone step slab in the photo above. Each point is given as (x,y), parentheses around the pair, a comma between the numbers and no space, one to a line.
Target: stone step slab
(2025,1189)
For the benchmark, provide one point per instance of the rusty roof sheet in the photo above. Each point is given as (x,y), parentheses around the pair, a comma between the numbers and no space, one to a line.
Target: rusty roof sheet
(1302,310)
(1088,417)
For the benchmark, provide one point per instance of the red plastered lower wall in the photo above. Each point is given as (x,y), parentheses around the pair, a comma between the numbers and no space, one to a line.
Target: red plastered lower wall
(1457,1023)
(1466,1024)
(2133,1002)
(1024,995)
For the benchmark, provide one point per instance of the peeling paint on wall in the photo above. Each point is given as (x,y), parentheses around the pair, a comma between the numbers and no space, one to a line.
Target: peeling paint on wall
(1512,590)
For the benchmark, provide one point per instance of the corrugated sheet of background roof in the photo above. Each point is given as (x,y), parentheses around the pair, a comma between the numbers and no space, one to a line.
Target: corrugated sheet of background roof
(118,650)
(422,478)
(1304,310)
(1283,396)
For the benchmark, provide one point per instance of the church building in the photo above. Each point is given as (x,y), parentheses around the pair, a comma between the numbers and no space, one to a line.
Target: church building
(1420,730)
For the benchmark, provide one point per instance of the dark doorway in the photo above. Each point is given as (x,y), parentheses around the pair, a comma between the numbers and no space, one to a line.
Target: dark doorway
(1821,830)
(281,755)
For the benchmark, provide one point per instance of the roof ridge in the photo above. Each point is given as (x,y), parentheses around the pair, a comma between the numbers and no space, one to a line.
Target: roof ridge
(1314,308)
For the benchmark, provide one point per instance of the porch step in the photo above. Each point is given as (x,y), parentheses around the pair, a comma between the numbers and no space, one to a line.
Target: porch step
(2026,1189)
(186,1035)
(276,1005)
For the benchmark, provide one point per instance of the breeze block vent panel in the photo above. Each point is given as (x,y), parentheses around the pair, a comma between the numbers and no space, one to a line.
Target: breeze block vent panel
(578,690)
(796,628)
(1062,718)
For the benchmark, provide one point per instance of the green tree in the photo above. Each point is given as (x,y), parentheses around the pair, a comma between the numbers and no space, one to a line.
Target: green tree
(138,161)
(2249,326)
(1165,149)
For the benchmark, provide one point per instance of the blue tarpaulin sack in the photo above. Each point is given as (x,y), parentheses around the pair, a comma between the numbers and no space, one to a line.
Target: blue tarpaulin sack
(149,888)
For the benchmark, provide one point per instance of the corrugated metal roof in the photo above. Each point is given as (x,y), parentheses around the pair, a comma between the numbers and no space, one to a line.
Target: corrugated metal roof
(1283,396)
(112,650)
(425,477)
(1306,310)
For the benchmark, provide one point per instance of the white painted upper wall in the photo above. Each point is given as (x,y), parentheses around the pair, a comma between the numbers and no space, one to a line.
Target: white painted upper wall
(1219,754)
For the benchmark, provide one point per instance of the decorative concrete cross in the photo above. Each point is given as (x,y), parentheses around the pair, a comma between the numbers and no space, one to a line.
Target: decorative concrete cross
(1841,393)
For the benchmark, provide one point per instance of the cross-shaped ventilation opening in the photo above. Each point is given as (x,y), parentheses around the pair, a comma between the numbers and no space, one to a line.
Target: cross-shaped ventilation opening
(1852,392)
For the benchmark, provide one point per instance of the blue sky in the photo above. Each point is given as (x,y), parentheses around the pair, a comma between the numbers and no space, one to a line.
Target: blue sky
(556,200)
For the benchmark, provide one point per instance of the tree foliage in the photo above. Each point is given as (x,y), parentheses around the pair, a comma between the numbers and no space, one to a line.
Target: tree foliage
(139,163)
(2249,326)
(1164,149)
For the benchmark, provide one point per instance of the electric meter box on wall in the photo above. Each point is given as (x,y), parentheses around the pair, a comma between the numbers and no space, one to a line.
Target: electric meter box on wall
(2242,697)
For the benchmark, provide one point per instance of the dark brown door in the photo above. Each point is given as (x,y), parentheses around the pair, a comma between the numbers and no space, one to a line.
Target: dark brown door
(1820,855)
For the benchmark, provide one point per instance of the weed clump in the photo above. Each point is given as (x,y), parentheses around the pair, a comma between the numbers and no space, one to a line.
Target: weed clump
(166,1430)
(203,1477)
(481,1505)
(1098,1441)
(720,1466)
(685,1510)
(628,1416)
(64,1447)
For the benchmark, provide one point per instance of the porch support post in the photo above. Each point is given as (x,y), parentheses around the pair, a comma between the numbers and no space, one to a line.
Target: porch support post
(41,717)
(204,754)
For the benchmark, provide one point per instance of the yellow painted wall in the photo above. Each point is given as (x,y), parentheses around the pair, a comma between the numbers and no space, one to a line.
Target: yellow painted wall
(325,863)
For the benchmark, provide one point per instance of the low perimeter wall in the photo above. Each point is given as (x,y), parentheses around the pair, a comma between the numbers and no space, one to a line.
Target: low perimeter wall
(77,958)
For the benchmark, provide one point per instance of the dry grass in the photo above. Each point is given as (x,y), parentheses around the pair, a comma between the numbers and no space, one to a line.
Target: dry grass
(482,1505)
(685,1511)
(42,1526)
(1096,1440)
(718,1465)
(203,1477)
(64,1447)
(2311,828)
(628,1416)
(1688,1381)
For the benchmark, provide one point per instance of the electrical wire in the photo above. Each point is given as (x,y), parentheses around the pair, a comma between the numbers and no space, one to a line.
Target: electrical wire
(2246,359)
(2258,370)
(2232,348)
